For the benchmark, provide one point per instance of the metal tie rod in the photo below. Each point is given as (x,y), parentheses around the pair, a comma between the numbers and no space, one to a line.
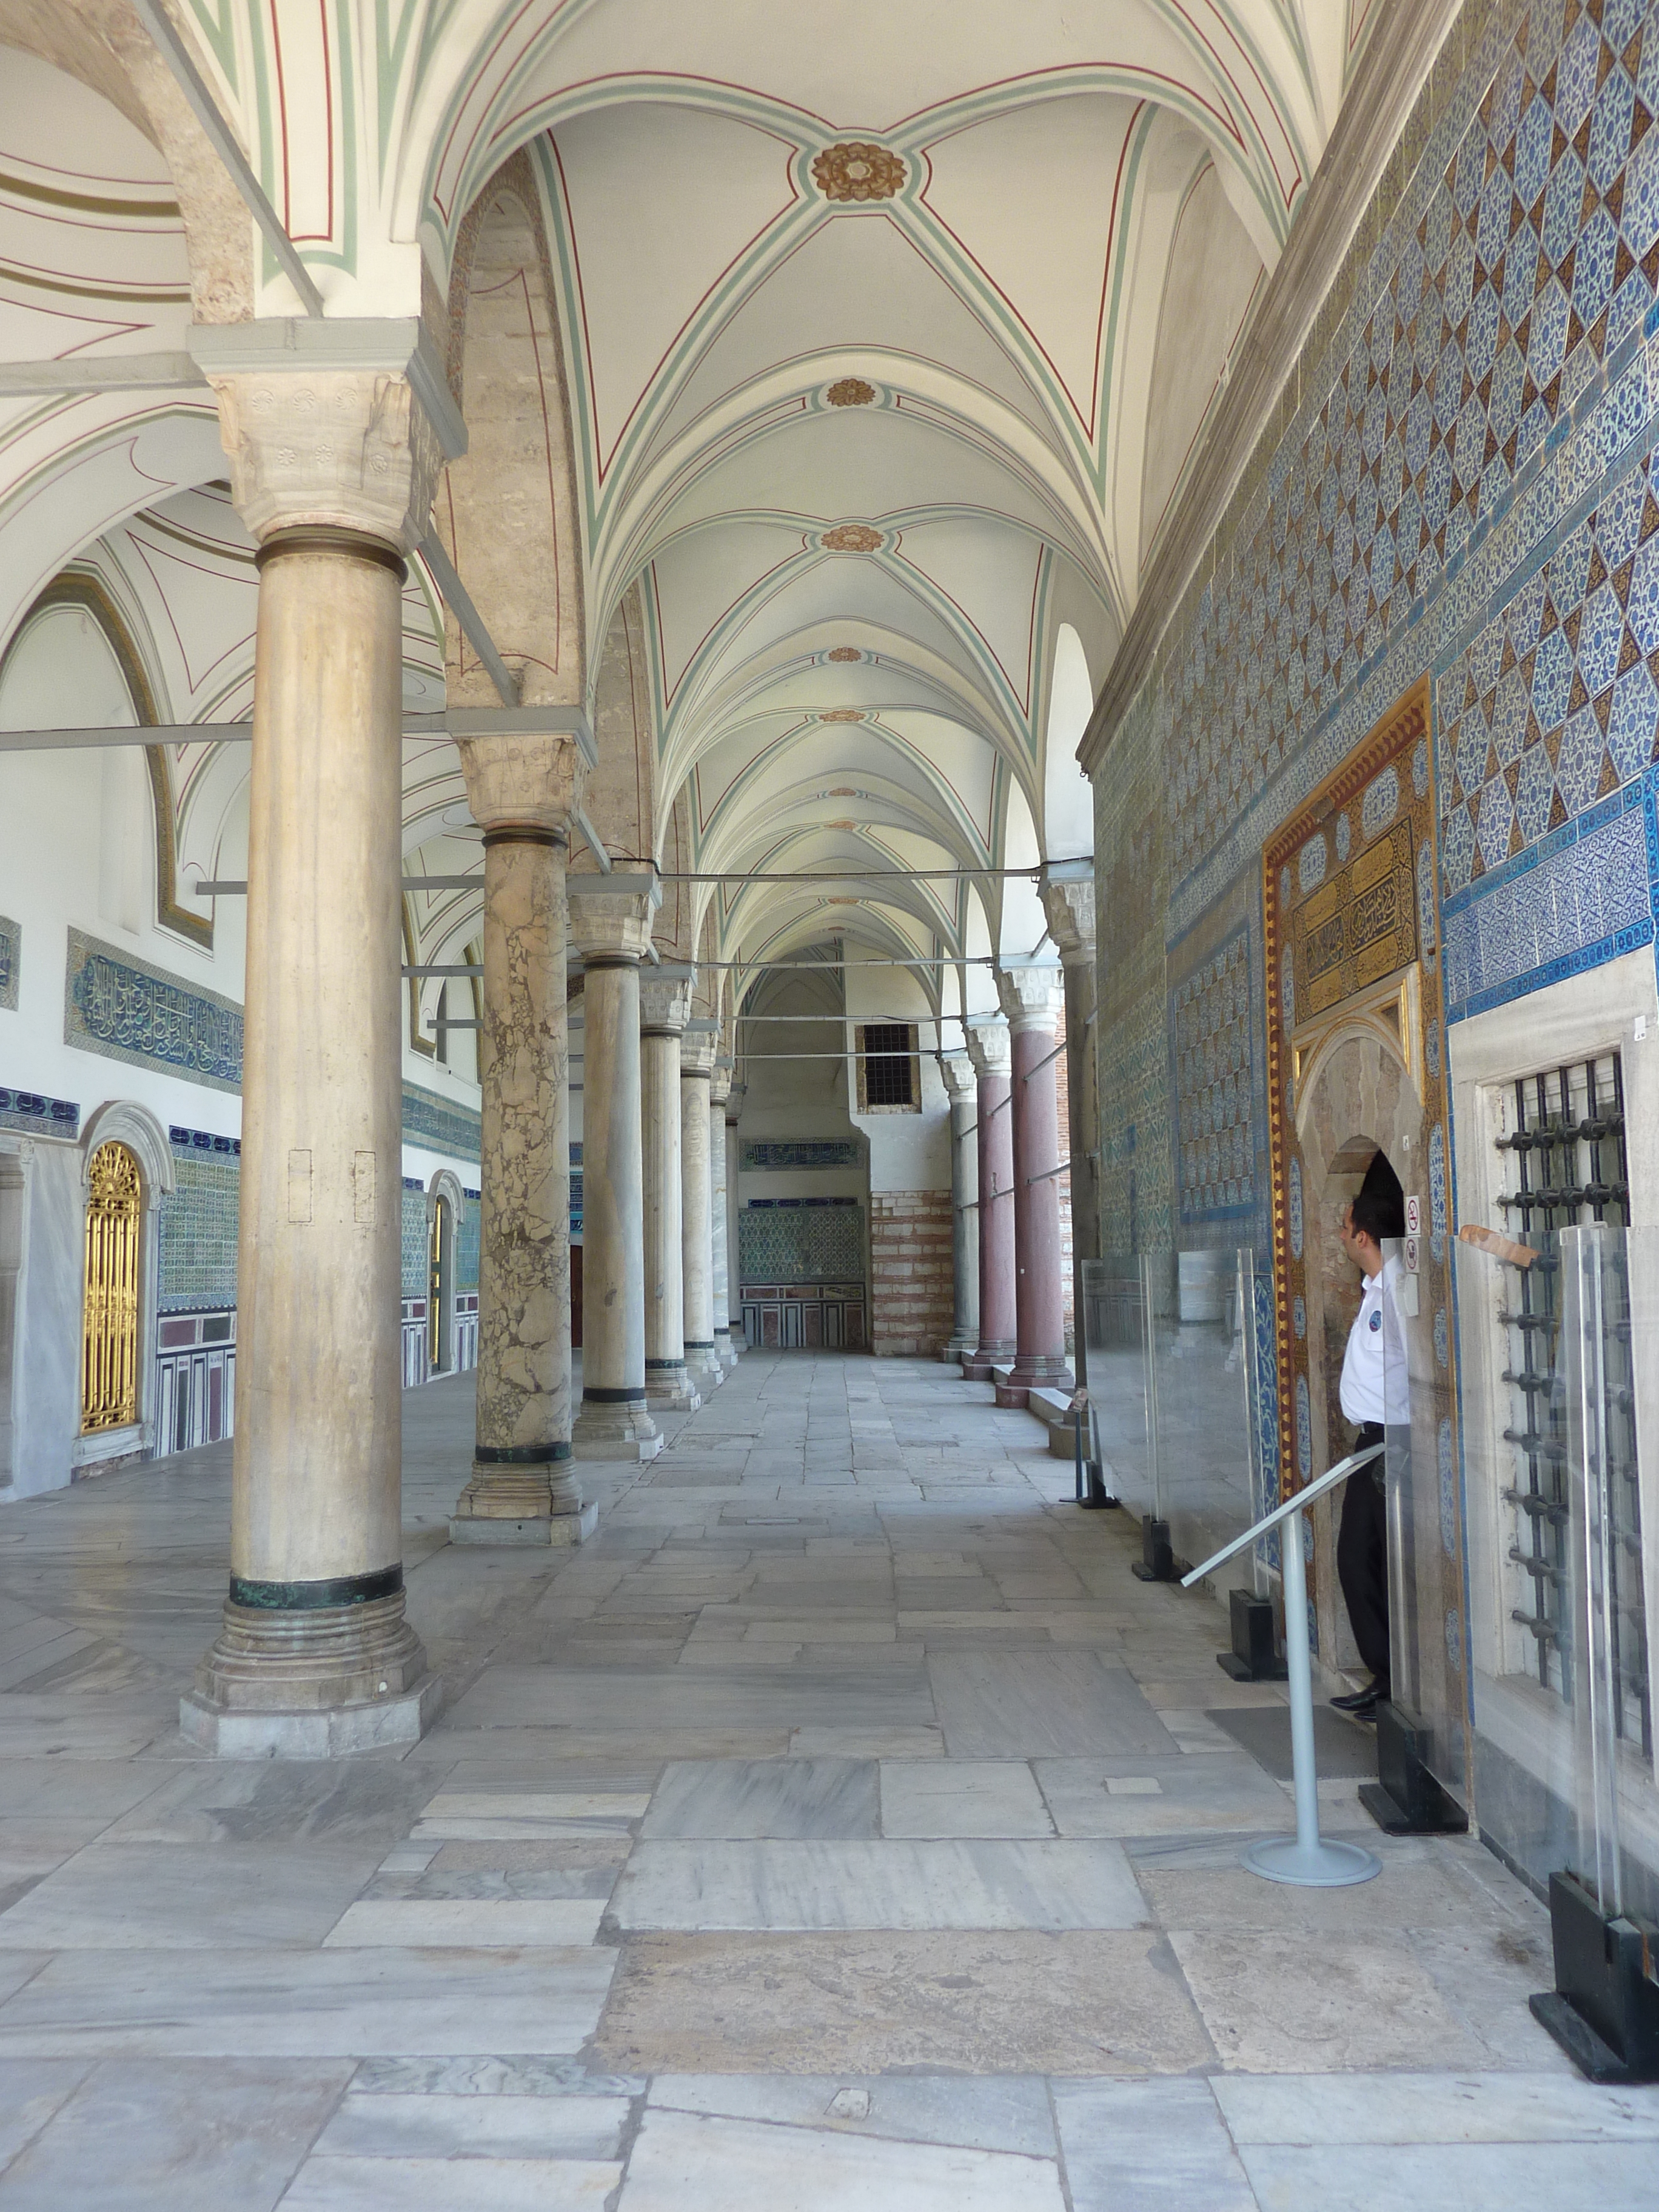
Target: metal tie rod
(1311,1861)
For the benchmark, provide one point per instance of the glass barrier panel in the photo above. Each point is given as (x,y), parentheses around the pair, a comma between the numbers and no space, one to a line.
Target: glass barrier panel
(1203,1398)
(1609,1344)
(1426,1564)
(1115,1324)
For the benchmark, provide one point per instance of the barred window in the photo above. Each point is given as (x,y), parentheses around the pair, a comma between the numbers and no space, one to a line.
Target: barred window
(889,1080)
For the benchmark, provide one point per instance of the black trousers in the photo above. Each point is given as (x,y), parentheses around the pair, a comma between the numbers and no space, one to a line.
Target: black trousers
(1361,1558)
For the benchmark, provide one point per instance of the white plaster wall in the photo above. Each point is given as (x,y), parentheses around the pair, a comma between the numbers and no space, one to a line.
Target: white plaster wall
(46,1380)
(908,1151)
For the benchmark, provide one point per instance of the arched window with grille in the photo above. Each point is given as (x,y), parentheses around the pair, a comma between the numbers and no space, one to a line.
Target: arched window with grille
(109,1334)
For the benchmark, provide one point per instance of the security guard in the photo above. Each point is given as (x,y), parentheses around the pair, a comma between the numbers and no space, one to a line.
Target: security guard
(1362,1545)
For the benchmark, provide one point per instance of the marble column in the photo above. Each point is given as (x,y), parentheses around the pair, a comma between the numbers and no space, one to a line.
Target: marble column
(333,475)
(1031,999)
(664,1009)
(522,790)
(720,1086)
(989,1055)
(960,1086)
(1068,902)
(611,927)
(737,1340)
(703,1363)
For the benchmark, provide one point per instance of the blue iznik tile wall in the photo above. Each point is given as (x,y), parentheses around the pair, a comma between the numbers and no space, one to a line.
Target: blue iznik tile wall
(1461,481)
(197,1231)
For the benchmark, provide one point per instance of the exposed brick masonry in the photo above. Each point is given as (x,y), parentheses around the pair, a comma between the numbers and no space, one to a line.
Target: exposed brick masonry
(912,1294)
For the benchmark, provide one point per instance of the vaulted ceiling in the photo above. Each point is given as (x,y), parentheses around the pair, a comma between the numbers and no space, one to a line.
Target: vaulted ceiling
(888,332)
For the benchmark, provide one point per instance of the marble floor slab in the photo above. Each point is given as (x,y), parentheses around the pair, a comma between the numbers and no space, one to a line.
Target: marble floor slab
(467,1923)
(1453,2177)
(962,1797)
(1148,2146)
(1061,1704)
(736,1799)
(137,2134)
(184,1897)
(307,2004)
(1166,1796)
(438,2125)
(1331,2109)
(1006,2113)
(464,2185)
(687,2162)
(899,1884)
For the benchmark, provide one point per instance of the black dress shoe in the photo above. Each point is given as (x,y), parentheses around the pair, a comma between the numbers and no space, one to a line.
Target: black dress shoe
(1363,1702)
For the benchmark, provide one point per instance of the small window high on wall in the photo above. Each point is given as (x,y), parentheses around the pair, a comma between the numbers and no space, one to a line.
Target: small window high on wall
(890,1074)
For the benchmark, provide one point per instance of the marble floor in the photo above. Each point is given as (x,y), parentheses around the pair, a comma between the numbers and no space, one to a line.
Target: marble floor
(844,1826)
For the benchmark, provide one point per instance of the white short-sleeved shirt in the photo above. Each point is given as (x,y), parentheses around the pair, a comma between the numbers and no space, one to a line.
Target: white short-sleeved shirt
(1374,1384)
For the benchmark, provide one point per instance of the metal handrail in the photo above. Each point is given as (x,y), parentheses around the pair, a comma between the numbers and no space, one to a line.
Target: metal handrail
(1329,1480)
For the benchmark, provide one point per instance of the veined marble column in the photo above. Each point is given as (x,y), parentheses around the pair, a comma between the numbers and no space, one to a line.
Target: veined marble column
(664,1009)
(719,1087)
(333,475)
(989,1055)
(524,1490)
(961,1086)
(1031,999)
(702,1362)
(737,1340)
(1068,902)
(610,925)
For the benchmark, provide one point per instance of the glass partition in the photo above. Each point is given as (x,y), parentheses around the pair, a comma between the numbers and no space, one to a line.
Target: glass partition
(1116,1308)
(1425,1565)
(1203,1406)
(1609,1345)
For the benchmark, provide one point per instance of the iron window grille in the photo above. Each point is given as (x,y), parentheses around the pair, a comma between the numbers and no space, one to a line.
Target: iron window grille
(1565,1165)
(889,1072)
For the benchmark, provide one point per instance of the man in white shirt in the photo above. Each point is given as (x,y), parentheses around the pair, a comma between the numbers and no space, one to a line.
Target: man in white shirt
(1373,1365)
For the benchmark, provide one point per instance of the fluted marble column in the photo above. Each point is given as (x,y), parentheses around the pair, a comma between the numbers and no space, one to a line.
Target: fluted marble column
(1031,999)
(989,1055)
(664,1009)
(333,473)
(702,1362)
(611,927)
(719,1087)
(960,1086)
(524,1488)
(737,1340)
(1068,902)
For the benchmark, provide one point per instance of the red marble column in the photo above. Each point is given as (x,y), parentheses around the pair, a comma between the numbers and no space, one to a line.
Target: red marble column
(1031,999)
(987,1049)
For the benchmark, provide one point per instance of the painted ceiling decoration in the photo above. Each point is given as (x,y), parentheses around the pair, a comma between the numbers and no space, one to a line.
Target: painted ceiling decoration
(888,342)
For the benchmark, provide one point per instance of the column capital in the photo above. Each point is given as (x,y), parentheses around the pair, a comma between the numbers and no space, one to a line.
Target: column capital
(989,1049)
(719,1085)
(610,915)
(698,1045)
(520,782)
(1031,997)
(331,424)
(1068,904)
(734,1103)
(960,1080)
(665,1000)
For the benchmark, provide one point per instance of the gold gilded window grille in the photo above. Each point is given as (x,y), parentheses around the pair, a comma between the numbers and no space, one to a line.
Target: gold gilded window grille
(109,1339)
(439,1259)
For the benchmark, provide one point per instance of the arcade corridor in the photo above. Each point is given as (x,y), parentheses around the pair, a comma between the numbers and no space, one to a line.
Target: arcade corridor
(842,1825)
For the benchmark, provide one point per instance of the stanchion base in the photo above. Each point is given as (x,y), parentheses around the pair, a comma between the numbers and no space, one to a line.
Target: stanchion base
(1327,1866)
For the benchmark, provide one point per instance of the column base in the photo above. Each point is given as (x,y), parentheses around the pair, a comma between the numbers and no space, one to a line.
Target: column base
(1042,1371)
(615,1428)
(703,1366)
(976,1366)
(669,1387)
(556,1529)
(959,1348)
(737,1342)
(311,1682)
(503,1490)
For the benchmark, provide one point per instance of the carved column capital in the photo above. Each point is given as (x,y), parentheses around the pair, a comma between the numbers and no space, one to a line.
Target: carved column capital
(665,1000)
(517,781)
(960,1080)
(989,1050)
(1031,997)
(610,915)
(698,1046)
(333,425)
(1069,907)
(719,1085)
(734,1103)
